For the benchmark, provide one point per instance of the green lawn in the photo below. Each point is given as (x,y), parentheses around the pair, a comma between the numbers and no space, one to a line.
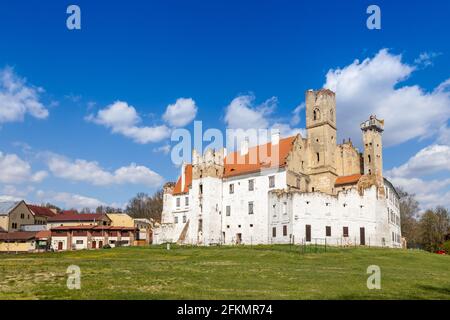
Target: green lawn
(262,272)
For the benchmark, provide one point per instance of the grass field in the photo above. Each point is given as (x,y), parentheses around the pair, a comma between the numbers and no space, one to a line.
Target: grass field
(262,272)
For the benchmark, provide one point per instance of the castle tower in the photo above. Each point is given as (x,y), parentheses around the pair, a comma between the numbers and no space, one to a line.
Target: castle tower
(372,130)
(321,130)
(207,173)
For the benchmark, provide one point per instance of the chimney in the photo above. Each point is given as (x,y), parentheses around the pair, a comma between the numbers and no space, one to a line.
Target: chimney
(244,146)
(183,176)
(275,137)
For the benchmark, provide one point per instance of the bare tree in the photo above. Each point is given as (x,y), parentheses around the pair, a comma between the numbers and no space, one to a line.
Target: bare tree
(434,226)
(144,206)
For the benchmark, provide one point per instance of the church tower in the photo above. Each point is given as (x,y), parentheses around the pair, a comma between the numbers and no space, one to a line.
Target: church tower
(321,130)
(372,130)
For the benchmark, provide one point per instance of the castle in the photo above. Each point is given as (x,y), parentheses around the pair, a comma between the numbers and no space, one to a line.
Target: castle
(290,190)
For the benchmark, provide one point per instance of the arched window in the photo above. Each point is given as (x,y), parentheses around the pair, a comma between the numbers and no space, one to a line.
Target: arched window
(316,114)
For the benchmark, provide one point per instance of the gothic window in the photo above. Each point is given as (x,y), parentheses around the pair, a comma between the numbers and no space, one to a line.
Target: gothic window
(316,114)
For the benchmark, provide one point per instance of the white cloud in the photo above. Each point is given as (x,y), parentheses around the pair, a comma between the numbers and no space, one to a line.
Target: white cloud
(182,112)
(432,159)
(411,176)
(296,114)
(425,59)
(165,149)
(70,200)
(92,172)
(18,99)
(123,119)
(373,87)
(14,170)
(242,114)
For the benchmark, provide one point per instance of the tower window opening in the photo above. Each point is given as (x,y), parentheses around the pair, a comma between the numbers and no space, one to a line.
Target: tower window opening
(316,114)
(318,157)
(368,157)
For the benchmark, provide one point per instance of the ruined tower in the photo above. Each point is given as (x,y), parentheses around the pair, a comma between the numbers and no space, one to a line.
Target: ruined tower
(321,129)
(372,130)
(207,173)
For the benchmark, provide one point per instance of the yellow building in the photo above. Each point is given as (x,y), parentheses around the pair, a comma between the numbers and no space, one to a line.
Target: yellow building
(120,220)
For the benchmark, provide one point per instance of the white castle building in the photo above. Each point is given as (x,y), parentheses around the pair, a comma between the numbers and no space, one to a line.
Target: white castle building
(299,190)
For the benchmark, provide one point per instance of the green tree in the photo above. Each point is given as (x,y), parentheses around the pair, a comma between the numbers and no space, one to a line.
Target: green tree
(434,226)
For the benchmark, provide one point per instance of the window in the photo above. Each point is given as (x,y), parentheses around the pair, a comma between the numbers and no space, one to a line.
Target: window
(186,201)
(316,114)
(271,181)
(285,231)
(317,157)
(231,186)
(22,216)
(251,185)
(250,207)
(345,231)
(285,207)
(251,225)
(312,189)
(228,210)
(14,225)
(201,189)
(368,158)
(176,219)
(79,242)
(184,219)
(328,231)
(274,232)
(178,202)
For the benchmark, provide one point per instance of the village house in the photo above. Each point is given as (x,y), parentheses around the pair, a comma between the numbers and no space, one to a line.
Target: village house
(14,214)
(144,226)
(78,219)
(292,190)
(41,214)
(95,236)
(24,241)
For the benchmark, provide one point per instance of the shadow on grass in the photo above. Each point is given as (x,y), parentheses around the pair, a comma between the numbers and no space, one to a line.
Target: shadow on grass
(439,290)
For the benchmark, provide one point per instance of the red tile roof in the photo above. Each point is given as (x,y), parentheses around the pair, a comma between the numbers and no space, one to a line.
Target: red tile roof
(115,228)
(18,236)
(352,179)
(2,230)
(43,234)
(187,183)
(236,165)
(41,211)
(78,217)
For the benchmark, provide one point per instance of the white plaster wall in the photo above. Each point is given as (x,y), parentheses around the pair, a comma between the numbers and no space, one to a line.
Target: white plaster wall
(239,220)
(56,240)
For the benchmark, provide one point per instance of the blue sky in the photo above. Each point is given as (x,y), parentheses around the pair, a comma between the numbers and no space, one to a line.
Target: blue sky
(58,146)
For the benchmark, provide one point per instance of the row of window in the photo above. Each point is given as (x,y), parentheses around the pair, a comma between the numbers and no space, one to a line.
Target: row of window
(251,184)
(184,219)
(186,201)
(250,209)
(393,218)
(345,232)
